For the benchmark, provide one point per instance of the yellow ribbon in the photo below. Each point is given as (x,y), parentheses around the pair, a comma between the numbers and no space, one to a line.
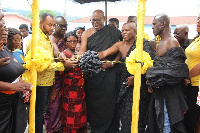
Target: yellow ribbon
(33,72)
(137,77)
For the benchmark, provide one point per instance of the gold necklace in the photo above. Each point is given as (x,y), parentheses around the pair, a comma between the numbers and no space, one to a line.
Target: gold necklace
(158,38)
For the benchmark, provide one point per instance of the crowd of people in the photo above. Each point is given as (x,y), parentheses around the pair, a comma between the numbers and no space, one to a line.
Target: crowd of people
(70,101)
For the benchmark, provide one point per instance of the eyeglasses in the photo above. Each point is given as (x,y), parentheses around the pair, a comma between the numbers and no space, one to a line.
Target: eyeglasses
(97,20)
(72,41)
(62,25)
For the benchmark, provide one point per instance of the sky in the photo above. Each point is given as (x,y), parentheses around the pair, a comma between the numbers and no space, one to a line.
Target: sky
(122,8)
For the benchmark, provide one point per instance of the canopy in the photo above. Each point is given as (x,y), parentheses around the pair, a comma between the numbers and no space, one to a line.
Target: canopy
(89,1)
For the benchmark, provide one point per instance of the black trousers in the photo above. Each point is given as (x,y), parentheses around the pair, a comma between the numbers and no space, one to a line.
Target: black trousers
(42,100)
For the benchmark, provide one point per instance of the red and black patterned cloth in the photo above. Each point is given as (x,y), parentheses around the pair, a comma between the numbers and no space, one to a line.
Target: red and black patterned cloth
(74,106)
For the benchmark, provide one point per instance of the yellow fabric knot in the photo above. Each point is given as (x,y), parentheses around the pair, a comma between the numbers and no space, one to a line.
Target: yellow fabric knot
(42,59)
(131,62)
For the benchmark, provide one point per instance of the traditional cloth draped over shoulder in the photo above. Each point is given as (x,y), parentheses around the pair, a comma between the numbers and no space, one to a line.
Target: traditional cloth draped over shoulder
(168,69)
(101,92)
(167,79)
(103,39)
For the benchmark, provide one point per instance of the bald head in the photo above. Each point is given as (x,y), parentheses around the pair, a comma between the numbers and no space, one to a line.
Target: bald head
(163,18)
(98,19)
(129,31)
(182,27)
(181,33)
(99,12)
(131,25)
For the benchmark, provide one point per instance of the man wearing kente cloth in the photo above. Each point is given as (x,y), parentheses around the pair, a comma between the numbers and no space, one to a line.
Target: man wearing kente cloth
(125,97)
(165,79)
(101,90)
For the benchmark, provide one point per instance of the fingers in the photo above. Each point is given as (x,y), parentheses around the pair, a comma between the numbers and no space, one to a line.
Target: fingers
(21,86)
(70,64)
(4,61)
(27,87)
(150,90)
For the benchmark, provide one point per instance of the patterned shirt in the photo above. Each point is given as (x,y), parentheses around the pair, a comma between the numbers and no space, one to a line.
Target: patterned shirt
(46,77)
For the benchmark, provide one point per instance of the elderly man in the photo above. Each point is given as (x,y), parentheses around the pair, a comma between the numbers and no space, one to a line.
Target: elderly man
(52,117)
(165,80)
(181,34)
(101,90)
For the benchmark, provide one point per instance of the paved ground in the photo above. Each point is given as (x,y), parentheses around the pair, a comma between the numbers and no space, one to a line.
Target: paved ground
(26,131)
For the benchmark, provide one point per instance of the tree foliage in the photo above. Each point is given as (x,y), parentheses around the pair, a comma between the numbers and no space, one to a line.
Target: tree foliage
(40,12)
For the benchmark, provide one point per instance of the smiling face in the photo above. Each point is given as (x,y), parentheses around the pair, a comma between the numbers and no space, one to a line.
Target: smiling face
(97,19)
(128,31)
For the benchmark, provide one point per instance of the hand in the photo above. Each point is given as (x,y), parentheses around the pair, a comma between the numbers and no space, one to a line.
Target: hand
(4,61)
(74,57)
(130,81)
(21,86)
(187,81)
(106,65)
(61,57)
(70,63)
(150,90)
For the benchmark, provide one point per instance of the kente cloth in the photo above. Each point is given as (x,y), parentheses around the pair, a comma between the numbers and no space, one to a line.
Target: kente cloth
(53,116)
(74,111)
(167,79)
(61,45)
(125,98)
(101,90)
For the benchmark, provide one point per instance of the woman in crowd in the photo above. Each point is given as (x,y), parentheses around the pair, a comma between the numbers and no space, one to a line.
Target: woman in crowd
(12,112)
(14,42)
(192,117)
(79,31)
(73,95)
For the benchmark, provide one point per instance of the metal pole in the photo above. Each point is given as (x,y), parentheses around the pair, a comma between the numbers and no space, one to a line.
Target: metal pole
(65,10)
(198,6)
(0,6)
(106,10)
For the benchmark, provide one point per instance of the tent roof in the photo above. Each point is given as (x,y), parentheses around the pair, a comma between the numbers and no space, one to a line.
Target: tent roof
(89,1)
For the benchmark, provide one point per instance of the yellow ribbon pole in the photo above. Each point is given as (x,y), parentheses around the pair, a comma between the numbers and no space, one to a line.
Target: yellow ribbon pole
(33,72)
(137,77)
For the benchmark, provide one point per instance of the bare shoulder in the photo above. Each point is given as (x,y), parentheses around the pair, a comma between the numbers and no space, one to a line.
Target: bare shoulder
(120,43)
(52,38)
(89,32)
(171,42)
